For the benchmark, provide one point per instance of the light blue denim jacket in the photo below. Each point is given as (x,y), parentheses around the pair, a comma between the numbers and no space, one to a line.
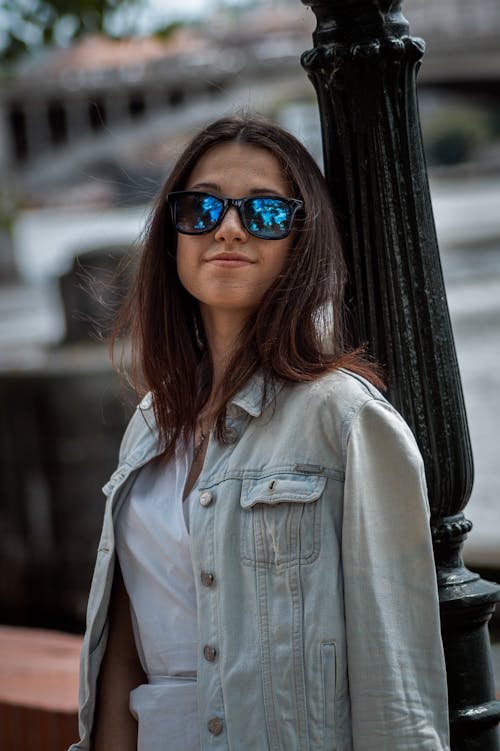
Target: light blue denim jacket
(322,605)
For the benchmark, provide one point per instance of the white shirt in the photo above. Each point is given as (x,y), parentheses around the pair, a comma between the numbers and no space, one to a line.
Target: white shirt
(152,543)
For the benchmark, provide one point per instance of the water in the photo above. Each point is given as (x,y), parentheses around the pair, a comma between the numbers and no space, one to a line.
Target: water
(468,225)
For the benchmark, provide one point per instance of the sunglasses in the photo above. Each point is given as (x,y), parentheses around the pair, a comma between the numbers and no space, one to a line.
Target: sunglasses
(266,217)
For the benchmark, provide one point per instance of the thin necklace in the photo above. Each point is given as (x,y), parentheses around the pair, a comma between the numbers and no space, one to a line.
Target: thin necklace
(199,445)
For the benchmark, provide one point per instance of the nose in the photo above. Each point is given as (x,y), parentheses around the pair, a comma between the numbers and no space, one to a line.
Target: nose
(231,228)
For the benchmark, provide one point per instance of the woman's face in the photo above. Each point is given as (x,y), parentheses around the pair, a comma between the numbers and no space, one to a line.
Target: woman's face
(228,269)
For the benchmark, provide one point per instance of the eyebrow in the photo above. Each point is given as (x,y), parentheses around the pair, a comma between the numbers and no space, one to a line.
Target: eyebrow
(258,191)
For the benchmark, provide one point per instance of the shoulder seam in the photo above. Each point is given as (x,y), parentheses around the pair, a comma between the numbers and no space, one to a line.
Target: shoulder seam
(367,386)
(354,413)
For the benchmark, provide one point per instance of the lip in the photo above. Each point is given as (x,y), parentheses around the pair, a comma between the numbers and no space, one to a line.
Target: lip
(230,260)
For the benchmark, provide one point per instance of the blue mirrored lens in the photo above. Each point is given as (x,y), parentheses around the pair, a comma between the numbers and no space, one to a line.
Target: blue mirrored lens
(209,212)
(197,212)
(267,217)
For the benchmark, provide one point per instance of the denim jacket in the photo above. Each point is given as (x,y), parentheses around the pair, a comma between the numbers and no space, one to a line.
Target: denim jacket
(321,600)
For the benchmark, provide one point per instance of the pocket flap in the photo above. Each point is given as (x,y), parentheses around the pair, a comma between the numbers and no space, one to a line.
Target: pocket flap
(282,488)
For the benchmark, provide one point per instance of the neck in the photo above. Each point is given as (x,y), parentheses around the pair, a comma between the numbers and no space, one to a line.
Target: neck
(222,329)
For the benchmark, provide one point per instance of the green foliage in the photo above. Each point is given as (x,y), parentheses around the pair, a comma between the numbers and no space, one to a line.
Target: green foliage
(27,25)
(495,122)
(456,134)
(166,31)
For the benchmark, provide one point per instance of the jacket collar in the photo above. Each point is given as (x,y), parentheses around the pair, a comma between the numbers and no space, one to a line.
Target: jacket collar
(250,397)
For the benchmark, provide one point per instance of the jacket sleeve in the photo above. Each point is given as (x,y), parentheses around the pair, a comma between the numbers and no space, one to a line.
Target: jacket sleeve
(396,669)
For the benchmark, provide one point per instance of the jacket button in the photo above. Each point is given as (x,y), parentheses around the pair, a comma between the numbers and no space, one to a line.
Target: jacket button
(207,579)
(214,726)
(209,653)
(206,498)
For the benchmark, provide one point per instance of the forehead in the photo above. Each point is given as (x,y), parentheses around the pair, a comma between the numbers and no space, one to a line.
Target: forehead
(236,166)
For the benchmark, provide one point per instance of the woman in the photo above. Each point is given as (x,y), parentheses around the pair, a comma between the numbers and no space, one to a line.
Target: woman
(273,585)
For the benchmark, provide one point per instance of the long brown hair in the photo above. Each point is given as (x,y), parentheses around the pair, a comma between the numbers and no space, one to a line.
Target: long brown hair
(297,333)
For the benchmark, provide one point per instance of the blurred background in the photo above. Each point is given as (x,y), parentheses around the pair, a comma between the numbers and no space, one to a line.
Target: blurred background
(97,98)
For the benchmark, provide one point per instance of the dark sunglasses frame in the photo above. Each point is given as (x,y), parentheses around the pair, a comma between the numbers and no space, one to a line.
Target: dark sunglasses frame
(293,205)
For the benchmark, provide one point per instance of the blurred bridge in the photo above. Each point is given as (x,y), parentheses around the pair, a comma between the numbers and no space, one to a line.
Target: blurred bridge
(463,42)
(52,122)
(64,121)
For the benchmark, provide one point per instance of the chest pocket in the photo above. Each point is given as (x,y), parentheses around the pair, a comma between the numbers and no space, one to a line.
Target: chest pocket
(280,520)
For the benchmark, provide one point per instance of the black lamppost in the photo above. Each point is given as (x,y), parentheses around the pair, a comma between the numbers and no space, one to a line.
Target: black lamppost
(363,67)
